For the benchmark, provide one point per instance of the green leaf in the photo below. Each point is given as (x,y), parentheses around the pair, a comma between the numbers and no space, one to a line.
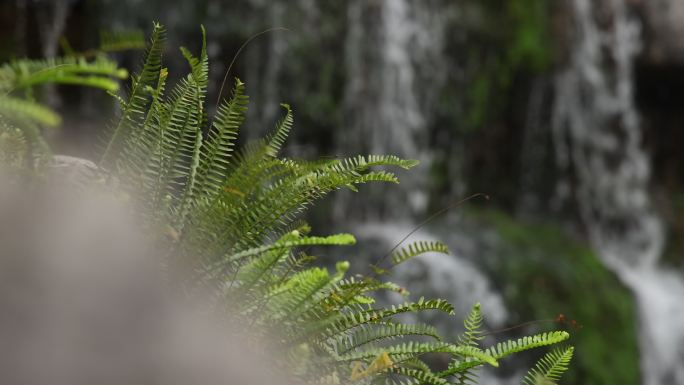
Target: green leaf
(16,109)
(138,101)
(417,248)
(550,368)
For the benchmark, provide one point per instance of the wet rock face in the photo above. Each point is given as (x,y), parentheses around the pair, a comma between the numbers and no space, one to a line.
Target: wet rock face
(660,23)
(663,30)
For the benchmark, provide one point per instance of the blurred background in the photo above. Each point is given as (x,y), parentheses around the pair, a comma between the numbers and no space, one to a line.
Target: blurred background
(566,113)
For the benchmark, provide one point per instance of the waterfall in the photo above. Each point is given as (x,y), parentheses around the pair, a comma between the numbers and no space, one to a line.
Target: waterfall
(597,137)
(394,70)
(263,82)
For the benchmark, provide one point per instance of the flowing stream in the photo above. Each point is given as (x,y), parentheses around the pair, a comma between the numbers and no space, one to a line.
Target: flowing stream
(598,140)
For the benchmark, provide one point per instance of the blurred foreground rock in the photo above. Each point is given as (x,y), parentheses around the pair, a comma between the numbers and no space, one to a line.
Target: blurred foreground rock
(83,299)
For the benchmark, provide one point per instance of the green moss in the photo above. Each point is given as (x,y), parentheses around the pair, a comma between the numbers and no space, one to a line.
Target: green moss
(542,273)
(514,38)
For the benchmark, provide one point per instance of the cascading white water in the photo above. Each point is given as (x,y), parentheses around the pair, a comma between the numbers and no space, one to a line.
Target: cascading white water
(395,66)
(598,138)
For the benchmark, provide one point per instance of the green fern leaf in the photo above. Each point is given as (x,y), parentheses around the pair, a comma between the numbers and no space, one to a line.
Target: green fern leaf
(418,248)
(279,135)
(473,326)
(412,349)
(20,110)
(132,114)
(24,74)
(550,368)
(419,376)
(388,331)
(507,348)
(504,349)
(218,148)
(115,41)
(337,240)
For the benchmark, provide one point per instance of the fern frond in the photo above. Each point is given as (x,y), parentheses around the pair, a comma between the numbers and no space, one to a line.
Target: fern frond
(199,69)
(412,349)
(141,152)
(473,325)
(418,248)
(388,331)
(503,349)
(180,134)
(115,41)
(422,304)
(179,149)
(24,73)
(509,347)
(419,376)
(550,368)
(367,284)
(337,240)
(416,363)
(471,337)
(20,110)
(386,160)
(218,147)
(295,263)
(299,288)
(256,270)
(362,163)
(342,323)
(134,111)
(282,129)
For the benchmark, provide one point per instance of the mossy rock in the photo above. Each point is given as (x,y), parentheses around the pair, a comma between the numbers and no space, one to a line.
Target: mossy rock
(542,273)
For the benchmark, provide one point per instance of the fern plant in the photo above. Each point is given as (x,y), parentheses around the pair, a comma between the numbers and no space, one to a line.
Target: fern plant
(22,116)
(232,217)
